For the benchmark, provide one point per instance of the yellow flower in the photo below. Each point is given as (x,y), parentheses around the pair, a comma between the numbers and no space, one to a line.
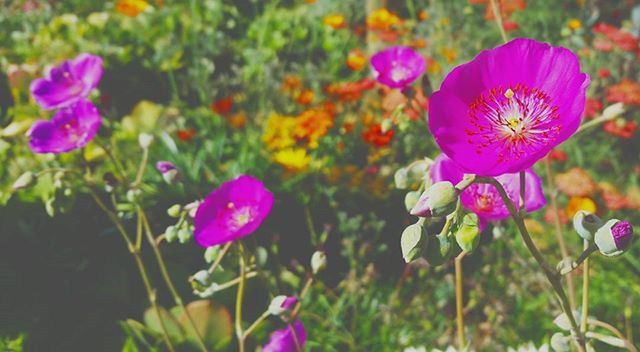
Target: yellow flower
(278,133)
(293,159)
(382,19)
(574,24)
(131,8)
(356,60)
(580,203)
(449,54)
(334,21)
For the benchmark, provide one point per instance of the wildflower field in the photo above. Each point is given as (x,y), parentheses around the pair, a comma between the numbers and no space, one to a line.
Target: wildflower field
(319,175)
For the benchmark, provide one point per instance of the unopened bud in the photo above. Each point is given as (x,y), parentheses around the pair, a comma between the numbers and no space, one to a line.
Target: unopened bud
(438,200)
(468,233)
(281,304)
(211,254)
(169,172)
(25,180)
(560,343)
(400,178)
(202,277)
(174,211)
(439,250)
(318,262)
(145,140)
(184,235)
(411,242)
(614,237)
(171,233)
(586,224)
(411,199)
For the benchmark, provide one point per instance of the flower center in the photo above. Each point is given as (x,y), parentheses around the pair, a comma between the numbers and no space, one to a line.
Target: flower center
(240,216)
(514,121)
(399,73)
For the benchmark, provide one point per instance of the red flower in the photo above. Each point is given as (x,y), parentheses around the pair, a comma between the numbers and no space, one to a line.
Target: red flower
(374,135)
(186,135)
(621,128)
(604,73)
(558,155)
(222,106)
(593,107)
(510,26)
(626,91)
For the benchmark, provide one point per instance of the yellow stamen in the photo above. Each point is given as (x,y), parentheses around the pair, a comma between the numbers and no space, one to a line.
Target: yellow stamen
(508,94)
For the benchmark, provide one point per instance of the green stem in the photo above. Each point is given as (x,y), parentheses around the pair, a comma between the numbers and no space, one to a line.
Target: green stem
(239,299)
(583,256)
(585,293)
(141,168)
(255,324)
(235,281)
(459,302)
(498,16)
(552,275)
(303,293)
(218,260)
(167,278)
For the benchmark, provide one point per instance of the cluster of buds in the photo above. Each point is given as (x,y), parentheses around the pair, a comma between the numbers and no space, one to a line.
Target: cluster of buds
(183,229)
(612,238)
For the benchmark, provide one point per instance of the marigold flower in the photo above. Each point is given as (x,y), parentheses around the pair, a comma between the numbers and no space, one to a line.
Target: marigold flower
(311,125)
(222,106)
(558,155)
(576,183)
(508,107)
(604,73)
(374,135)
(232,211)
(626,91)
(612,198)
(574,24)
(356,60)
(305,97)
(580,203)
(278,132)
(186,135)
(398,66)
(382,19)
(335,21)
(131,8)
(423,15)
(593,108)
(70,128)
(238,120)
(293,159)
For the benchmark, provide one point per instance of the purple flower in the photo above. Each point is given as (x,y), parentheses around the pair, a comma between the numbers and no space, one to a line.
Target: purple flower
(169,172)
(68,83)
(281,304)
(165,166)
(398,66)
(289,339)
(508,107)
(484,199)
(614,237)
(70,128)
(232,211)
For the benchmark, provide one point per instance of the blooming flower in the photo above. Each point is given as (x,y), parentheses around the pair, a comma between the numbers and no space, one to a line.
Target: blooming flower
(508,107)
(484,199)
(278,133)
(68,83)
(356,60)
(576,182)
(375,136)
(70,128)
(626,91)
(580,203)
(290,339)
(131,8)
(397,66)
(335,21)
(382,19)
(311,125)
(293,159)
(621,128)
(232,211)
(222,106)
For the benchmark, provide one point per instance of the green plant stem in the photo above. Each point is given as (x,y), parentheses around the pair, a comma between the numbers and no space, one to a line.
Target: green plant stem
(310,226)
(235,281)
(255,324)
(303,293)
(218,260)
(558,225)
(167,278)
(585,293)
(627,341)
(135,251)
(239,300)
(552,275)
(141,168)
(459,302)
(498,16)
(583,256)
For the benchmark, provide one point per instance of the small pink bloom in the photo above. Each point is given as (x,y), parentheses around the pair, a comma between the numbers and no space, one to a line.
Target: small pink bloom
(290,339)
(398,66)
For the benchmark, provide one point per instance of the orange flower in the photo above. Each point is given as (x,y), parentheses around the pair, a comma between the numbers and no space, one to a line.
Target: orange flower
(374,135)
(423,15)
(576,183)
(626,91)
(290,83)
(311,125)
(613,199)
(222,106)
(450,54)
(238,120)
(131,8)
(621,128)
(592,108)
(335,21)
(356,60)
(186,135)
(507,7)
(580,203)
(574,24)
(558,155)
(550,217)
(382,19)
(305,97)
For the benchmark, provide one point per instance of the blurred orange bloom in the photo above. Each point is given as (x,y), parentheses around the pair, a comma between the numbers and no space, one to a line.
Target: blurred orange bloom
(238,120)
(382,19)
(574,24)
(621,128)
(131,8)
(222,106)
(374,135)
(580,203)
(507,7)
(186,135)
(291,83)
(626,91)
(335,21)
(423,15)
(576,183)
(356,60)
(305,97)
(311,125)
(613,199)
(593,108)
(550,218)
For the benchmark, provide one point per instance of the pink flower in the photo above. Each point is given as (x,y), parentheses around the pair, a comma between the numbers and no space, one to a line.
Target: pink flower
(232,211)
(484,199)
(398,66)
(508,107)
(290,339)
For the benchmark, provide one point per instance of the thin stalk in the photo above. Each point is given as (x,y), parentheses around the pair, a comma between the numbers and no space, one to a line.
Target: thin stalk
(585,293)
(310,226)
(583,256)
(552,275)
(141,168)
(521,204)
(167,278)
(459,301)
(303,293)
(218,260)
(255,324)
(558,225)
(235,281)
(239,300)
(498,16)
(627,341)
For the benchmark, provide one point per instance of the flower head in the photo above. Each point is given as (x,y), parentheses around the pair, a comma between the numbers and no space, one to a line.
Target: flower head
(382,19)
(614,237)
(293,159)
(281,304)
(290,339)
(335,21)
(131,8)
(508,107)
(484,199)
(232,211)
(168,170)
(398,66)
(68,83)
(70,128)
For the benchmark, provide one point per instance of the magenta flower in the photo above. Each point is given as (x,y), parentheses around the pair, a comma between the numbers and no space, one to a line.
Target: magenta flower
(484,199)
(70,128)
(68,83)
(508,107)
(232,211)
(290,339)
(398,66)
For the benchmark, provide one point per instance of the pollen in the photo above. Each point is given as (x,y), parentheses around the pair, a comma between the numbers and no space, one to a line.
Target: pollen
(508,94)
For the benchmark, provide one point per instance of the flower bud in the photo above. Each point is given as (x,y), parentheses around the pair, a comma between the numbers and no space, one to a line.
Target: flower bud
(614,237)
(171,233)
(586,224)
(211,253)
(174,211)
(411,199)
(169,172)
(25,180)
(439,250)
(560,343)
(318,262)
(400,178)
(281,304)
(133,195)
(202,277)
(145,140)
(411,242)
(468,233)
(184,235)
(438,200)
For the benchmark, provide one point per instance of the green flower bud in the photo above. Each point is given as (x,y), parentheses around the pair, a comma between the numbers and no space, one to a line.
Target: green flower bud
(614,237)
(438,200)
(174,211)
(211,253)
(560,343)
(468,233)
(145,140)
(318,262)
(184,235)
(439,250)
(400,178)
(586,224)
(410,199)
(25,180)
(411,242)
(171,233)
(202,277)
(133,195)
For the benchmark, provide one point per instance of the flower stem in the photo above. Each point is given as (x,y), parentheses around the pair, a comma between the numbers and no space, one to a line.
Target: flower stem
(585,293)
(141,168)
(459,301)
(498,16)
(218,260)
(255,324)
(552,275)
(303,293)
(239,299)
(167,278)
(585,254)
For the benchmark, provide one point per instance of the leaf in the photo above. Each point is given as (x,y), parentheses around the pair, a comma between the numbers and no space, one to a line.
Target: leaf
(152,322)
(212,321)
(609,340)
